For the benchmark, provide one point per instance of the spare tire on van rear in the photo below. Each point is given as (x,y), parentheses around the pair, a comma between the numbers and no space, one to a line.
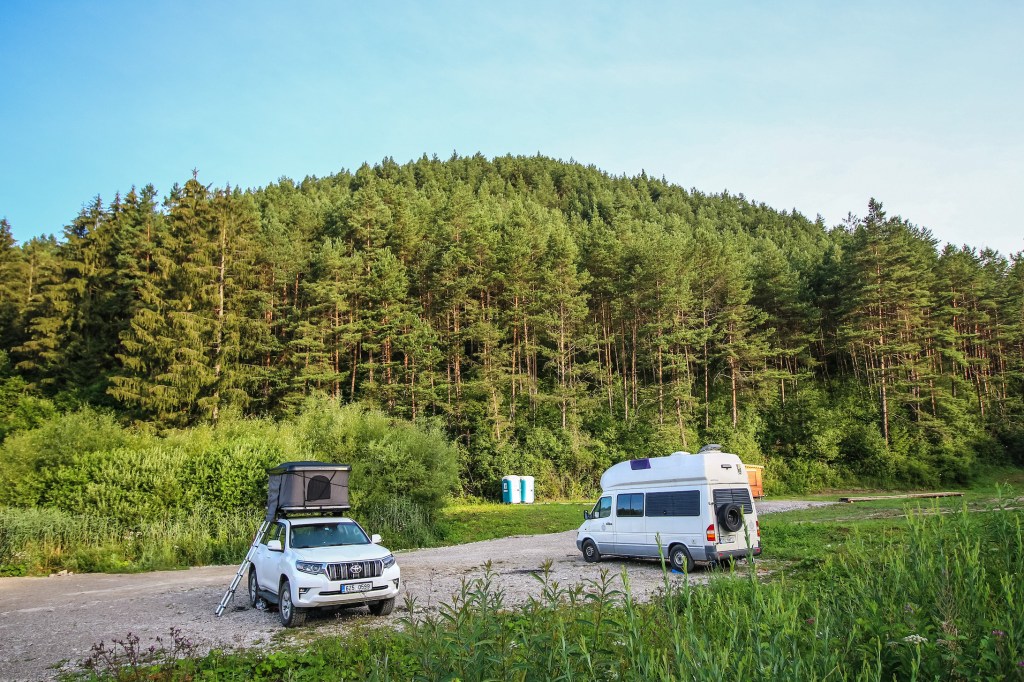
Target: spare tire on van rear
(730,516)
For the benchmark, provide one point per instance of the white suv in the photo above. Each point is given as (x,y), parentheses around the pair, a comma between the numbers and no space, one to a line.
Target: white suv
(304,563)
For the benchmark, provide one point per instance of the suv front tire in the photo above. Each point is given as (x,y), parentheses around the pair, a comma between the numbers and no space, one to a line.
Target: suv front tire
(291,615)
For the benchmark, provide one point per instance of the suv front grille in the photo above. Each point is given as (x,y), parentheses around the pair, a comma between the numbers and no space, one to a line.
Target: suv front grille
(355,570)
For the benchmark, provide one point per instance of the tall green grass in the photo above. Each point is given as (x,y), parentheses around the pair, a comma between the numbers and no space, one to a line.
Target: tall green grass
(941,599)
(41,541)
(944,599)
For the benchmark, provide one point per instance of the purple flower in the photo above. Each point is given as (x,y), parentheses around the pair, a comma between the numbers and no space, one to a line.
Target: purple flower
(1020,664)
(999,633)
(809,621)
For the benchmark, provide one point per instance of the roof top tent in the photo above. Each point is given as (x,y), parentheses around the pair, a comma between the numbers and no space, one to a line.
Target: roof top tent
(307,487)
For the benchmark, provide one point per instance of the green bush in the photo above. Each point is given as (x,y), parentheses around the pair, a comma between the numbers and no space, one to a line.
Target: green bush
(390,458)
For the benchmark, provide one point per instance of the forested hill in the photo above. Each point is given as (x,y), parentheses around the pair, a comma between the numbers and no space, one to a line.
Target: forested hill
(555,318)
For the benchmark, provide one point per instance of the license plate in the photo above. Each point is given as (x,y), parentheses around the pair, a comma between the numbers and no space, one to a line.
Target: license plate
(357,587)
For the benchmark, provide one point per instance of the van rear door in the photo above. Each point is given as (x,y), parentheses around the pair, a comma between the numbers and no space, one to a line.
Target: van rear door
(729,540)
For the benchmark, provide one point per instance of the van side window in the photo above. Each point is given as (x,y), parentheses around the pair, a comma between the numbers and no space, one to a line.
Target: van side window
(680,503)
(629,505)
(603,508)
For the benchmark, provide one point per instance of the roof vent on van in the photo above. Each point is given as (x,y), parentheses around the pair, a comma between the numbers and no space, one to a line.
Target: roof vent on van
(710,447)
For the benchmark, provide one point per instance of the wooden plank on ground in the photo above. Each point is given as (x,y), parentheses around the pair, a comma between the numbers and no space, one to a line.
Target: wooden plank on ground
(898,497)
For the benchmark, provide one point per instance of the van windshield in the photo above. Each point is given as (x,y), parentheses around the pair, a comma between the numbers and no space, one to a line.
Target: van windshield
(602,509)
(332,534)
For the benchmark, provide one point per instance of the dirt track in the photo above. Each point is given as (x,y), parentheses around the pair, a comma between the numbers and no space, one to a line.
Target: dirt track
(46,622)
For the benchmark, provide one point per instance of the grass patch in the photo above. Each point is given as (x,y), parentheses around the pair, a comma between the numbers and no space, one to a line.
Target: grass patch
(42,541)
(462,523)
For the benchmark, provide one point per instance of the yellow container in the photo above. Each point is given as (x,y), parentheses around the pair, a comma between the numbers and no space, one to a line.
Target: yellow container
(755,474)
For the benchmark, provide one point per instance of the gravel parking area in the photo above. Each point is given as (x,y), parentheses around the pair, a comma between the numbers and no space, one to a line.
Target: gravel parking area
(54,621)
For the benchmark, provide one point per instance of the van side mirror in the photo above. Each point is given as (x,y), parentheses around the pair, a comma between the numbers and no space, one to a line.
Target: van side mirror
(375,539)
(586,516)
(275,546)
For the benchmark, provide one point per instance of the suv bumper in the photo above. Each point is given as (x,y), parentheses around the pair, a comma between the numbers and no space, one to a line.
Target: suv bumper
(316,590)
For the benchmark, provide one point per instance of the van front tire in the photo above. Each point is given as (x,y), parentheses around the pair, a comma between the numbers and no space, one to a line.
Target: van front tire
(590,553)
(680,559)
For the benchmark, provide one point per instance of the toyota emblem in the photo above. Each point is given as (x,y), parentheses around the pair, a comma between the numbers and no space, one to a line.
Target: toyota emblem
(356,568)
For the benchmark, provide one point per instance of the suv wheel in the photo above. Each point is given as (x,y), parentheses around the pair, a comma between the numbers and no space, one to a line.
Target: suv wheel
(291,615)
(254,588)
(382,607)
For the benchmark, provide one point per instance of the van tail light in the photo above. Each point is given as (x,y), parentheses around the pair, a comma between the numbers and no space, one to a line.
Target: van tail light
(711,533)
(758,524)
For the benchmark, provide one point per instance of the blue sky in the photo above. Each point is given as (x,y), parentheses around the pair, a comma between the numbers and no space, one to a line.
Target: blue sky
(815,106)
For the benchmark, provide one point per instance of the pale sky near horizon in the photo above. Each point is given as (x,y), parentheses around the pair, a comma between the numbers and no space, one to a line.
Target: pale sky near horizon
(816,106)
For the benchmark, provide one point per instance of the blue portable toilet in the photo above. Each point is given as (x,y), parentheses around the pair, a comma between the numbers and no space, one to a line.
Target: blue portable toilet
(511,490)
(526,483)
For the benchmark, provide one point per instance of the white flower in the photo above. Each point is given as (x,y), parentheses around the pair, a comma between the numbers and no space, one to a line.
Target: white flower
(915,639)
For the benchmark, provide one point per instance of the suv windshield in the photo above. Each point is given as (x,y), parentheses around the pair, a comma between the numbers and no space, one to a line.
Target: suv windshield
(332,534)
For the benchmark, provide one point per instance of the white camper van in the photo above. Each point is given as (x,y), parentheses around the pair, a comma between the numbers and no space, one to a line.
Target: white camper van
(697,507)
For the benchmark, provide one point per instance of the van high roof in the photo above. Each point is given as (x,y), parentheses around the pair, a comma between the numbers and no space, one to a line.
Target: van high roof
(711,466)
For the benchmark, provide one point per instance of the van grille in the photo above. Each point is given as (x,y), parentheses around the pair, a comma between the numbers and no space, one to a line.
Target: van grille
(740,496)
(355,570)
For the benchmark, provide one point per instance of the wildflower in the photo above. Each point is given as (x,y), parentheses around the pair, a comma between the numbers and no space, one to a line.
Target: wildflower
(915,639)
(907,608)
(809,621)
(999,633)
(1020,664)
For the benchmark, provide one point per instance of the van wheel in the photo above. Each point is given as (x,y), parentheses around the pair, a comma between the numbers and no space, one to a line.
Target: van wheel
(680,559)
(590,553)
(731,517)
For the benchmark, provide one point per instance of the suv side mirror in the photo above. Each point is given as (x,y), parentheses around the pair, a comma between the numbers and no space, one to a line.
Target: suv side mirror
(275,546)
(375,539)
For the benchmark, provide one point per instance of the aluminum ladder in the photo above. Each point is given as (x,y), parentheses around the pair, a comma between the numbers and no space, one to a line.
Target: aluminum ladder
(241,569)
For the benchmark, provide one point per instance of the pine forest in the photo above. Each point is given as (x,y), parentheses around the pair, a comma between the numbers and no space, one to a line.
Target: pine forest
(547,317)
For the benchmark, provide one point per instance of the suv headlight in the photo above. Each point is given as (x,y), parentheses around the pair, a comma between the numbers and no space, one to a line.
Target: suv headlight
(389,561)
(311,567)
